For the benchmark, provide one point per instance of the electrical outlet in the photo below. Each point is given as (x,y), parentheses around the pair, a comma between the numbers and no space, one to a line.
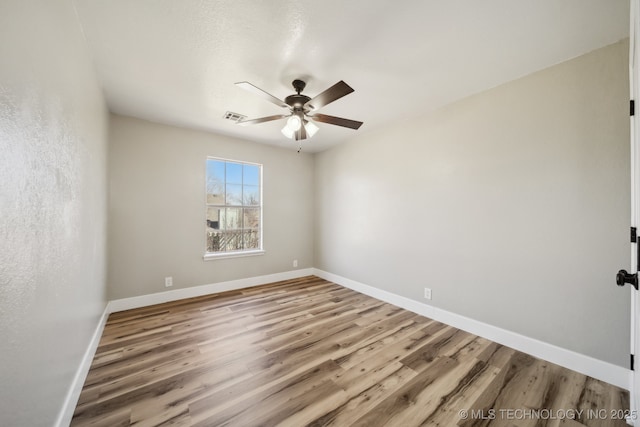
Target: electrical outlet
(295,263)
(168,282)
(427,293)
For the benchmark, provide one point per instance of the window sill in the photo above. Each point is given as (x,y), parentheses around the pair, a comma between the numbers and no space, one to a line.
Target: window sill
(212,256)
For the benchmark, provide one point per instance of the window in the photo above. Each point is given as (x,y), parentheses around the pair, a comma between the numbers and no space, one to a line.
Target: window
(234,208)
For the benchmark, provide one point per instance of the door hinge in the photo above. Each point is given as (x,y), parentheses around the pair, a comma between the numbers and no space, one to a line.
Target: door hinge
(632,108)
(631,362)
(634,235)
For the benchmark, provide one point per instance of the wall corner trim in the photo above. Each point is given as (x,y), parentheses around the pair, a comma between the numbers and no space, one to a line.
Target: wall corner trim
(71,399)
(581,363)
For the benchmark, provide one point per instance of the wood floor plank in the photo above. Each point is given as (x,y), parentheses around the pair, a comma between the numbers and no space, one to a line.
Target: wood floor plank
(310,352)
(401,405)
(275,398)
(401,340)
(365,401)
(470,387)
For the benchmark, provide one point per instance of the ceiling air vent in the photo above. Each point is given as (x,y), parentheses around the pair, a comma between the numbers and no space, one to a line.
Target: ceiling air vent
(234,117)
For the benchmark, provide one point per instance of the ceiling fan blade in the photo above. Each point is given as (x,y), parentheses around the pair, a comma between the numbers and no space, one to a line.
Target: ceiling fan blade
(339,121)
(262,120)
(336,91)
(254,89)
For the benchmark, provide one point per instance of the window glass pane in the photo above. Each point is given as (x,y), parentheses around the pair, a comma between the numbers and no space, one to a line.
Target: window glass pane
(233,241)
(233,218)
(251,195)
(252,228)
(213,218)
(234,173)
(251,218)
(215,182)
(234,194)
(251,239)
(214,236)
(231,237)
(214,241)
(223,216)
(251,175)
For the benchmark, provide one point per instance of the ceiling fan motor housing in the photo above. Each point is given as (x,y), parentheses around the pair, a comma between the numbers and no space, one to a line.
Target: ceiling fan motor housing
(296,101)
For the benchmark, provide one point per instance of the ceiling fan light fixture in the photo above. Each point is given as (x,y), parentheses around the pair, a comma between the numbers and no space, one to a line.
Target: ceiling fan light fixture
(311,128)
(286,131)
(294,123)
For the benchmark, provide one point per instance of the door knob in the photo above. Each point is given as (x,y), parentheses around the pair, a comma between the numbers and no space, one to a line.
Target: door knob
(623,277)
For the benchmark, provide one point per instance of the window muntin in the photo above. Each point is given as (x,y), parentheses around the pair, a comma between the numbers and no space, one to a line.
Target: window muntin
(233,207)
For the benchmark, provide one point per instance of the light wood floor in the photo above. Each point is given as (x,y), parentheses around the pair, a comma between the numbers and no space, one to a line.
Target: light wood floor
(310,352)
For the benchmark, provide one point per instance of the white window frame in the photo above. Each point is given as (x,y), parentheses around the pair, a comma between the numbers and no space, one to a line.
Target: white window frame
(208,256)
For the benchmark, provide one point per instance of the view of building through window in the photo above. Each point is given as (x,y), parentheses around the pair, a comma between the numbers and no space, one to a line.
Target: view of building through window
(234,206)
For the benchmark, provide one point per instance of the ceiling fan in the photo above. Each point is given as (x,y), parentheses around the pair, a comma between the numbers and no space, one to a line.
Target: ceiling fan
(301,108)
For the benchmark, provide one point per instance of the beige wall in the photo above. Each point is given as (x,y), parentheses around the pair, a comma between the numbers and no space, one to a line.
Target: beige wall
(156,208)
(511,205)
(53,124)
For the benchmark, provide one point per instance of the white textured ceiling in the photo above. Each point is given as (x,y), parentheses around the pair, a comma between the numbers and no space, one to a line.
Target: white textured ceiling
(176,61)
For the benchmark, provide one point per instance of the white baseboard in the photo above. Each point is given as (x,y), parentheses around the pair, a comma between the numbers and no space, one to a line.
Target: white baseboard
(197,291)
(71,399)
(586,365)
